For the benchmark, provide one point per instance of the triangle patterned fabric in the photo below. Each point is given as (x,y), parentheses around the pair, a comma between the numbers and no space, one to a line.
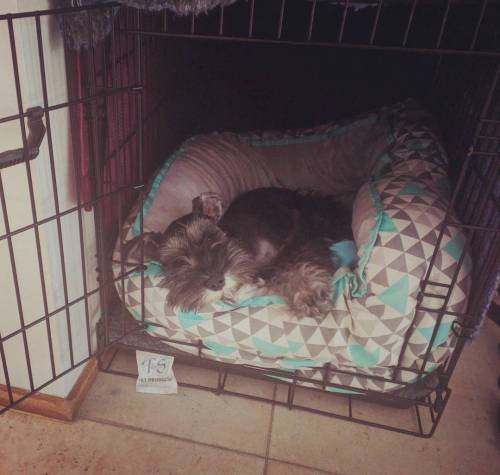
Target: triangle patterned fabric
(382,320)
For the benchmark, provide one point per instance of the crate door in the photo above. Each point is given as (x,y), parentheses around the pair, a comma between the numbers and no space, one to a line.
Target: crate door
(64,185)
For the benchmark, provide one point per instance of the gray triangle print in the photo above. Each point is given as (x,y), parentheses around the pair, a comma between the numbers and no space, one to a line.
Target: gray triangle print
(275,332)
(411,231)
(327,333)
(395,243)
(416,250)
(204,333)
(239,335)
(315,350)
(399,264)
(237,317)
(220,327)
(307,331)
(256,325)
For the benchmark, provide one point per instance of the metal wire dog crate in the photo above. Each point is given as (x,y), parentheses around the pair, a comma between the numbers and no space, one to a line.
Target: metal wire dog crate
(149,72)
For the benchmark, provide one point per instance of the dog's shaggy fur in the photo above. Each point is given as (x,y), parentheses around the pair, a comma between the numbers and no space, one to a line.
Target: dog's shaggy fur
(303,278)
(203,263)
(289,233)
(274,236)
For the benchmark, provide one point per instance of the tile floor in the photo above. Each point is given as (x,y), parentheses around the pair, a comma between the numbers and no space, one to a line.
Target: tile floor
(196,432)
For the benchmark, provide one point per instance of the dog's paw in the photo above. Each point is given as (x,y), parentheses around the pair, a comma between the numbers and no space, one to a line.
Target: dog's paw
(310,304)
(245,292)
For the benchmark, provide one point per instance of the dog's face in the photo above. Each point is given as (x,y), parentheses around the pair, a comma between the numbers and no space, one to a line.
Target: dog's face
(202,264)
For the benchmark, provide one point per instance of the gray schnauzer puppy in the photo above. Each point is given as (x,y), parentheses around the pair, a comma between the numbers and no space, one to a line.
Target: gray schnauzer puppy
(269,241)
(204,264)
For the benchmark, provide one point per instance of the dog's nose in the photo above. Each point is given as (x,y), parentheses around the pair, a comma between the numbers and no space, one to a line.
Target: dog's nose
(215,282)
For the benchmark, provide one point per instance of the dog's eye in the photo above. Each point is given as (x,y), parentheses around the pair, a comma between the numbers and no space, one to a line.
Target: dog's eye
(209,239)
(181,261)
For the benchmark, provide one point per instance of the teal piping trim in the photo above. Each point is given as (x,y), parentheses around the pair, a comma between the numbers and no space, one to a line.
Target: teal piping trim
(341,390)
(153,268)
(362,286)
(356,280)
(342,279)
(314,138)
(391,129)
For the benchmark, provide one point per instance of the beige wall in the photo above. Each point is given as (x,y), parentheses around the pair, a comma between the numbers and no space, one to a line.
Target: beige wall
(15,183)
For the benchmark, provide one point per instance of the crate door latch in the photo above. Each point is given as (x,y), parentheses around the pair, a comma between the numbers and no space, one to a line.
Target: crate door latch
(35,137)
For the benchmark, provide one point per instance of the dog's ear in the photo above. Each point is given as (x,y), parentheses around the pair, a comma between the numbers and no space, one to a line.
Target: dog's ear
(132,248)
(209,204)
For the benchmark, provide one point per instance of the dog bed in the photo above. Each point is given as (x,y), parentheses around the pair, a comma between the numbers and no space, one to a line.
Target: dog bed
(392,167)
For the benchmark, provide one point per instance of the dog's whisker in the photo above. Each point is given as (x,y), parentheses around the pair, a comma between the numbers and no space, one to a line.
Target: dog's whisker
(221,314)
(229,301)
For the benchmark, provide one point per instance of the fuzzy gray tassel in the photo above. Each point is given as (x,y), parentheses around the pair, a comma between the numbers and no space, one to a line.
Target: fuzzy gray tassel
(75,25)
(179,7)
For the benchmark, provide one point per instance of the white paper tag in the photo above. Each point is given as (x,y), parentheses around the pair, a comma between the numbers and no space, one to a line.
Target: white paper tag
(156,375)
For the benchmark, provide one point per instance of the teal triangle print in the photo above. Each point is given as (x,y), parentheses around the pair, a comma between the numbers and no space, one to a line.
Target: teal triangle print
(137,315)
(428,369)
(382,166)
(412,189)
(269,348)
(189,319)
(296,363)
(261,301)
(396,296)
(219,348)
(441,335)
(443,185)
(294,346)
(362,357)
(387,224)
(455,247)
(341,390)
(153,268)
(346,253)
(338,286)
(417,144)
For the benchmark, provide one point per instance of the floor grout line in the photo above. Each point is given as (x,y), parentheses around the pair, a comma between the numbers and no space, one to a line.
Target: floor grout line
(265,457)
(269,432)
(119,425)
(299,465)
(168,436)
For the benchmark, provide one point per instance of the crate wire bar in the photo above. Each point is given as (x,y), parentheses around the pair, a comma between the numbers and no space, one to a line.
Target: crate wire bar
(121,73)
(11,397)
(401,45)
